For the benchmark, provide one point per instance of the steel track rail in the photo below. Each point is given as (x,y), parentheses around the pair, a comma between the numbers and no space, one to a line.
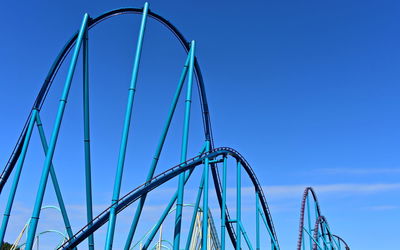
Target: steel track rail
(158,180)
(41,97)
(321,219)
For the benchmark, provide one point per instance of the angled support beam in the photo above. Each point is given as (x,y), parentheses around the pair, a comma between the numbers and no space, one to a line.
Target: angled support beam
(315,241)
(168,209)
(53,141)
(164,215)
(246,238)
(158,151)
(185,139)
(271,235)
(53,176)
(195,212)
(17,175)
(125,132)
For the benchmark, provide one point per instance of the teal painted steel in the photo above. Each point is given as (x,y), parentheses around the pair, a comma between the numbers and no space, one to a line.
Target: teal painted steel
(210,160)
(158,150)
(53,176)
(49,156)
(17,176)
(196,208)
(223,209)
(168,208)
(246,238)
(271,235)
(125,132)
(86,136)
(185,139)
(309,218)
(164,215)
(238,206)
(205,199)
(257,222)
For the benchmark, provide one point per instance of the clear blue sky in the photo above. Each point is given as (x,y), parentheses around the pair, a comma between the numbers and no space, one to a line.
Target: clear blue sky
(307,91)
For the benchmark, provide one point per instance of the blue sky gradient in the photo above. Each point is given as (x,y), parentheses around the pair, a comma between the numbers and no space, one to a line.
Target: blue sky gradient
(307,91)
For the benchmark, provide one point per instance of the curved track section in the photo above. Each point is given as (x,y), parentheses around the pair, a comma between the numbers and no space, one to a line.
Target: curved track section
(41,97)
(147,187)
(321,226)
(189,165)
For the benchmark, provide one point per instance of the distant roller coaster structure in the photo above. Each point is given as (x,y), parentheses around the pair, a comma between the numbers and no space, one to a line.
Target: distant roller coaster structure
(314,230)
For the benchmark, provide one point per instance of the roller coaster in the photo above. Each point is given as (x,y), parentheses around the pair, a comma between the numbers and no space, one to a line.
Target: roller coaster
(212,163)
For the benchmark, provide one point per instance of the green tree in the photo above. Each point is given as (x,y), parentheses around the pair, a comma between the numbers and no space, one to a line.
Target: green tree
(7,246)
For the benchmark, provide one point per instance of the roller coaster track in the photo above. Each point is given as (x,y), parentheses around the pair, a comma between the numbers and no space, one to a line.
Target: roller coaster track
(321,226)
(147,187)
(212,158)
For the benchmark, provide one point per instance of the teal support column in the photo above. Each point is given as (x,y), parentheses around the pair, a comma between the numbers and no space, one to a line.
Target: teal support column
(17,175)
(185,139)
(223,210)
(164,215)
(309,220)
(257,222)
(205,200)
(53,176)
(195,210)
(238,206)
(53,141)
(125,133)
(86,136)
(271,235)
(316,218)
(246,238)
(167,210)
(158,151)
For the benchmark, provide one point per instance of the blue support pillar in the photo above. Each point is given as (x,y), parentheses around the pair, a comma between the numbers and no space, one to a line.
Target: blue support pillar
(17,175)
(205,200)
(185,139)
(86,136)
(309,220)
(53,141)
(54,178)
(257,222)
(158,151)
(238,206)
(167,210)
(164,215)
(223,210)
(125,133)
(195,210)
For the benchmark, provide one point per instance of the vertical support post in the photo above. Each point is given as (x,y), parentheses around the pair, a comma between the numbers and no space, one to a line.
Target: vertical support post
(185,139)
(257,222)
(309,221)
(86,136)
(17,175)
(238,206)
(316,219)
(158,151)
(162,217)
(53,141)
(205,199)
(195,212)
(223,210)
(125,132)
(54,178)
